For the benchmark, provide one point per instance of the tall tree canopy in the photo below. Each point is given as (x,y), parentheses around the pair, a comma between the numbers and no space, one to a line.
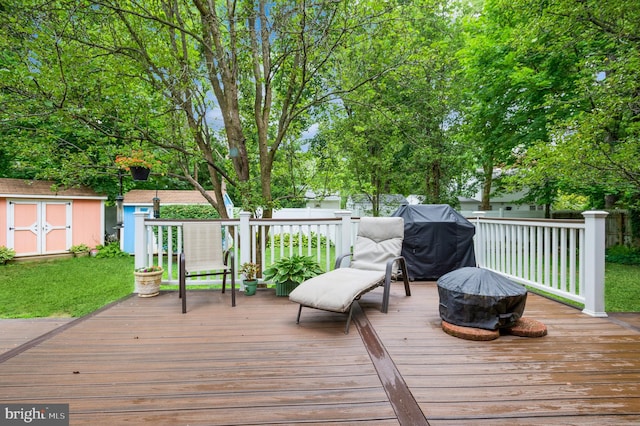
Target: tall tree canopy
(152,73)
(409,97)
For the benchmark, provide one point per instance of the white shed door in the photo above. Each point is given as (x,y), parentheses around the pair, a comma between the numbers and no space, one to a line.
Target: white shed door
(39,227)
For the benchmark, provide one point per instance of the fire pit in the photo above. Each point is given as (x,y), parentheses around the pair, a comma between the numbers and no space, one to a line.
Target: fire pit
(476,297)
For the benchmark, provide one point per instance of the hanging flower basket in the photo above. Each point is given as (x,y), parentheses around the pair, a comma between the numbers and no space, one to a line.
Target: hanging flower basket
(139,163)
(139,173)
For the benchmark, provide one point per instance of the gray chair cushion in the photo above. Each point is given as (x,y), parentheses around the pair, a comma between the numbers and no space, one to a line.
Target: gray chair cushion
(379,240)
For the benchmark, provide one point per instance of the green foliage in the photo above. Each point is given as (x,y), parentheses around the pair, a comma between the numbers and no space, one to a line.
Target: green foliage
(623,254)
(110,250)
(295,268)
(287,240)
(80,248)
(250,270)
(6,254)
(188,212)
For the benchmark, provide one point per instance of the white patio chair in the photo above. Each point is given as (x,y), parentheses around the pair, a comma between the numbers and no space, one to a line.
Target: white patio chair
(202,255)
(376,250)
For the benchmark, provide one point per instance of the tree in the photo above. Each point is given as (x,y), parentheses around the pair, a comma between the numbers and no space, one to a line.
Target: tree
(595,136)
(393,132)
(259,63)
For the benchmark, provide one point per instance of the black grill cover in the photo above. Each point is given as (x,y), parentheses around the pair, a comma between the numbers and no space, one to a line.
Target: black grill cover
(476,297)
(437,240)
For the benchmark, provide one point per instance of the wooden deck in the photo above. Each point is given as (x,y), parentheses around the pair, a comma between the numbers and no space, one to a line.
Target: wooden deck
(142,362)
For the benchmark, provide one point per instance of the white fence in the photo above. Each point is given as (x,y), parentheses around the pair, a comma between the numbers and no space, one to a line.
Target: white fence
(561,257)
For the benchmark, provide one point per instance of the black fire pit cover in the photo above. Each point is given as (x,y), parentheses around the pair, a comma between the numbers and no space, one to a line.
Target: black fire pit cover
(476,297)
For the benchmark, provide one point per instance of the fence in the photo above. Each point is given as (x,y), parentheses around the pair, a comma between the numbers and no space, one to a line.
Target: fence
(562,257)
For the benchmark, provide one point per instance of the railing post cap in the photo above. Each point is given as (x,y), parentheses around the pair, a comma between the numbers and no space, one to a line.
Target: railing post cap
(595,214)
(342,213)
(478,213)
(245,214)
(144,214)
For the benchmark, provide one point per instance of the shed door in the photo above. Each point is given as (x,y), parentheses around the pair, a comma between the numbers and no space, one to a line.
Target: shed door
(39,227)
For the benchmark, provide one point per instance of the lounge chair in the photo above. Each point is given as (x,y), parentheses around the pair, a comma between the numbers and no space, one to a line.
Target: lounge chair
(376,250)
(202,255)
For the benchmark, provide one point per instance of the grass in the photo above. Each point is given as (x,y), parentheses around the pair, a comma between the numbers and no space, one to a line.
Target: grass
(77,286)
(63,288)
(622,288)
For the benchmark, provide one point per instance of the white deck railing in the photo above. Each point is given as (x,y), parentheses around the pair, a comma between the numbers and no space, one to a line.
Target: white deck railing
(261,241)
(562,257)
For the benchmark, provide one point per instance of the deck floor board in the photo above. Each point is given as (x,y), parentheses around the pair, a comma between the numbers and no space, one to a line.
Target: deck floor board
(143,362)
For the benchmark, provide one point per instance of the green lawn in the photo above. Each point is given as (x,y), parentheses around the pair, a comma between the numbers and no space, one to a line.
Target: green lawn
(622,288)
(77,286)
(63,288)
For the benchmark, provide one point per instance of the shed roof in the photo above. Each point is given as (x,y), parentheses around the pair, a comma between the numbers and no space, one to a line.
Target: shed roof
(167,196)
(27,188)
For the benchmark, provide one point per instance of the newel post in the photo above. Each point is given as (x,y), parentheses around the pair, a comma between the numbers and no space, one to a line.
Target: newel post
(245,238)
(594,246)
(343,243)
(140,241)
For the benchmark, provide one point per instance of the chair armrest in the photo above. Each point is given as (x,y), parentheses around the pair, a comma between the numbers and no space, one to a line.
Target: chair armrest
(341,258)
(391,262)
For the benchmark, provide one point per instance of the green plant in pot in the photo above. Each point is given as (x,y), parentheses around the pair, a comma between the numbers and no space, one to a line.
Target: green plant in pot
(148,279)
(287,273)
(80,250)
(250,272)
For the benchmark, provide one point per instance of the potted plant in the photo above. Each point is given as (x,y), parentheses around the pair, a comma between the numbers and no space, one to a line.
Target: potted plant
(250,272)
(148,280)
(138,162)
(79,250)
(6,254)
(287,273)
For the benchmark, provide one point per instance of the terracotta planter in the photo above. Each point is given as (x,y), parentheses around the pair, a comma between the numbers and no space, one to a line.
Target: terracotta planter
(139,173)
(148,283)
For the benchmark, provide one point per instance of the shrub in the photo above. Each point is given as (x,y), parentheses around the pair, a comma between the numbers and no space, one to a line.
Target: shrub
(288,239)
(6,254)
(110,250)
(625,255)
(80,248)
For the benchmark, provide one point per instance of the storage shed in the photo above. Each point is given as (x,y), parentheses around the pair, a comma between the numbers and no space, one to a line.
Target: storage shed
(38,220)
(437,240)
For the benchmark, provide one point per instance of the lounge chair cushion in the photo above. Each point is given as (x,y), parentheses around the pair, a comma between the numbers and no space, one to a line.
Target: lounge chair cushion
(379,240)
(335,290)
